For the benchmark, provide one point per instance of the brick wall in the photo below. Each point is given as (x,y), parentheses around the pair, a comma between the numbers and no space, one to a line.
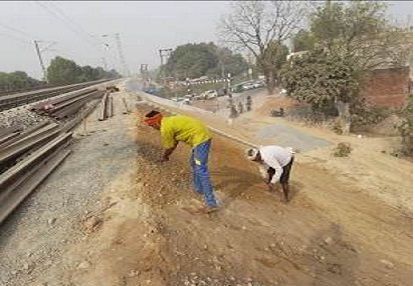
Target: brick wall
(387,87)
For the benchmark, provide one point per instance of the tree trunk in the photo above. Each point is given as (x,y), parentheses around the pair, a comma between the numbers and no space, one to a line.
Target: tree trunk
(345,118)
(270,81)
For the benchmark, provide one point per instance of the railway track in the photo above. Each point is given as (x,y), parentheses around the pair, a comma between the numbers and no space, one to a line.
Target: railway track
(19,99)
(28,156)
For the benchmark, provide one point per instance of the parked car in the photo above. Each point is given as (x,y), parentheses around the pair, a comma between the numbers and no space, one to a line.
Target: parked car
(210,94)
(259,83)
(248,86)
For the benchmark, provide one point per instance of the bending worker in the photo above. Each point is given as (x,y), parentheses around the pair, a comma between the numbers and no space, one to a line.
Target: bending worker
(275,165)
(193,132)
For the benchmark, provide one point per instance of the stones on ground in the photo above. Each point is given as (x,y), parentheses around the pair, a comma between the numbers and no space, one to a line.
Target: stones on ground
(387,263)
(84,265)
(91,224)
(328,240)
(133,273)
(51,221)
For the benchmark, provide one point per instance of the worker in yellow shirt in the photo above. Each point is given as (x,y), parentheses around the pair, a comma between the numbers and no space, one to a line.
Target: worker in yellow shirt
(193,132)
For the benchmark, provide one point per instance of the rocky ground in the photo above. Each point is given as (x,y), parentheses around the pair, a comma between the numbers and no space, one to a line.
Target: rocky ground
(334,231)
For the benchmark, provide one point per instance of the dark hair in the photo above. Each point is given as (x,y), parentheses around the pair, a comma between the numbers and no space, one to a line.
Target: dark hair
(152,113)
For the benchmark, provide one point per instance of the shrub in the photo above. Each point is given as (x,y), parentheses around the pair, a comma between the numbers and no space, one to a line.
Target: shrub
(342,150)
(405,128)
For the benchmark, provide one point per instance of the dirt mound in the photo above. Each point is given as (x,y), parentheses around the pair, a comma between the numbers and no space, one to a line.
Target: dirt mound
(330,233)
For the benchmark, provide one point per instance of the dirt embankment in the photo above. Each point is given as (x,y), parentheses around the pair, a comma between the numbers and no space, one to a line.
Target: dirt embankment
(330,233)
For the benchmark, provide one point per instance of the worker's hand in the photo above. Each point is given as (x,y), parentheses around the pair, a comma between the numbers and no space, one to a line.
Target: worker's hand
(271,187)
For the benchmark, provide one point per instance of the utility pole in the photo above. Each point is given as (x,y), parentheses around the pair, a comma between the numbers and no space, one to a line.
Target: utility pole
(164,53)
(42,65)
(144,73)
(121,55)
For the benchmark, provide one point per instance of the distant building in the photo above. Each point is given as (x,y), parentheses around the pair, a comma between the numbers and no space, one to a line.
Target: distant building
(387,87)
(296,54)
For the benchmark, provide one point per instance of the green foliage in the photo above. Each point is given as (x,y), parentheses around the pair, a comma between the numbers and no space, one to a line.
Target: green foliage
(303,41)
(196,60)
(274,56)
(342,150)
(357,30)
(364,115)
(320,79)
(17,80)
(63,71)
(406,127)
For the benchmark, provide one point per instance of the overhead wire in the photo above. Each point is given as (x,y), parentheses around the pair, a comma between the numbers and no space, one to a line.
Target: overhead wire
(66,23)
(69,20)
(21,40)
(16,30)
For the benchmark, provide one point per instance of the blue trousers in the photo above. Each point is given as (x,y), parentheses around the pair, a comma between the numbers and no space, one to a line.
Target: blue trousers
(201,176)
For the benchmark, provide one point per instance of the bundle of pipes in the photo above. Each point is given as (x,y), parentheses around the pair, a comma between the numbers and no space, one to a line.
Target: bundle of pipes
(26,159)
(67,105)
(107,107)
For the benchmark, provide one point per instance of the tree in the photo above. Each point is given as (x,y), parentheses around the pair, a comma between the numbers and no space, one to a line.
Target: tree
(63,71)
(320,79)
(196,60)
(273,58)
(349,40)
(325,81)
(405,127)
(303,41)
(17,80)
(254,25)
(357,30)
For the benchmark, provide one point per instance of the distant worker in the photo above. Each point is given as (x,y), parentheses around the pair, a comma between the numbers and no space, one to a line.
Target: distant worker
(248,103)
(276,163)
(240,108)
(193,132)
(233,113)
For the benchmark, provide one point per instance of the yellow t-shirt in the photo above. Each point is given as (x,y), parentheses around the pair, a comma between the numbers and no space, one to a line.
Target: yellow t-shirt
(183,128)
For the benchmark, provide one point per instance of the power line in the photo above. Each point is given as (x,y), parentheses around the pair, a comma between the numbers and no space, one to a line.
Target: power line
(16,30)
(21,40)
(69,26)
(69,20)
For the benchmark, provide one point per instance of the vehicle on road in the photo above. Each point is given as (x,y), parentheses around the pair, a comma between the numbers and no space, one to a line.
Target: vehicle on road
(248,86)
(210,94)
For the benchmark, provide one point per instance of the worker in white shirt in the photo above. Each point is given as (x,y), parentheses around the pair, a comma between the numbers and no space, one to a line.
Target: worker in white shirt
(276,162)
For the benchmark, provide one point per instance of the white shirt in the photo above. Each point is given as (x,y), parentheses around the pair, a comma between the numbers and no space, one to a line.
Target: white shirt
(275,157)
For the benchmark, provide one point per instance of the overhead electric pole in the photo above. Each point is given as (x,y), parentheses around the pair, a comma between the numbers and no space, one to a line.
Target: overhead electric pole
(42,65)
(121,55)
(164,53)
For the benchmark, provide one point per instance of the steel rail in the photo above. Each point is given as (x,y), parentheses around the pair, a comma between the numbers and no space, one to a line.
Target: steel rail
(15,100)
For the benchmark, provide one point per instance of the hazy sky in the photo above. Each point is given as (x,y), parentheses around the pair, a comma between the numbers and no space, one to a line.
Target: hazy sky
(144,27)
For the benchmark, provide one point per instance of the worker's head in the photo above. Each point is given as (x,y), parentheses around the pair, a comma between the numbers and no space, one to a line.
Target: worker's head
(253,154)
(153,119)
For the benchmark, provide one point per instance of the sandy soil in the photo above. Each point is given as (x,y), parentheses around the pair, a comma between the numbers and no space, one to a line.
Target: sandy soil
(334,231)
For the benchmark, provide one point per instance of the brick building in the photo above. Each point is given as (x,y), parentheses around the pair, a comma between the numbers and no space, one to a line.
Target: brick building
(388,87)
